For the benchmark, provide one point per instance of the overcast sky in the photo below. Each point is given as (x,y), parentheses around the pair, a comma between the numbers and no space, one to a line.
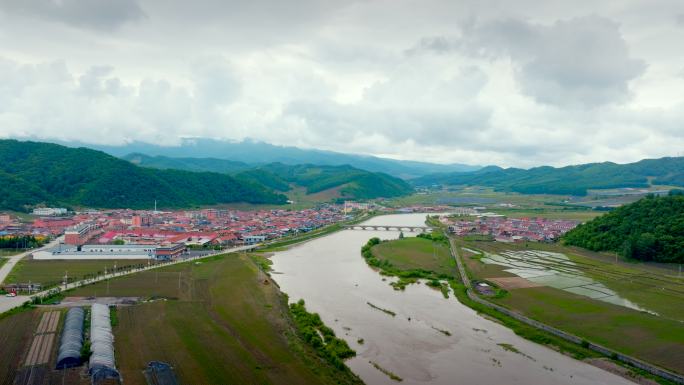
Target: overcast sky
(514,83)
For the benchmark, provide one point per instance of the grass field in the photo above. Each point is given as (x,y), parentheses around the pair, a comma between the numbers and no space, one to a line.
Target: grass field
(2,261)
(9,252)
(656,339)
(225,322)
(416,253)
(51,273)
(651,338)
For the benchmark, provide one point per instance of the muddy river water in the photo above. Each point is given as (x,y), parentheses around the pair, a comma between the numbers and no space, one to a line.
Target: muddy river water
(335,281)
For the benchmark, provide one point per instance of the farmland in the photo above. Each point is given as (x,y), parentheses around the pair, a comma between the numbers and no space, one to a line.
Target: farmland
(16,332)
(241,328)
(51,273)
(655,338)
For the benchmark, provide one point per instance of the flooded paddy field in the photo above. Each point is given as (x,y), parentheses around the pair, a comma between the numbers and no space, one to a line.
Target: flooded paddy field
(634,308)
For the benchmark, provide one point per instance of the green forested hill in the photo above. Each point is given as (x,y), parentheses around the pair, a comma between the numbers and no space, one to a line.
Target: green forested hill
(34,173)
(352,182)
(650,229)
(188,164)
(571,180)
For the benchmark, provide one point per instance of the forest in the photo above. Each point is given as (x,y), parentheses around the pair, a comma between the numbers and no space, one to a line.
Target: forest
(650,229)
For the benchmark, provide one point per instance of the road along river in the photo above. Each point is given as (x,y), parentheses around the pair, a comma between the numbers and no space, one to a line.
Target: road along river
(335,281)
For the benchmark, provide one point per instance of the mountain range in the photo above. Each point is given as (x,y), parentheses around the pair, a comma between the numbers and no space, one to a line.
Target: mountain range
(34,173)
(259,153)
(348,181)
(569,180)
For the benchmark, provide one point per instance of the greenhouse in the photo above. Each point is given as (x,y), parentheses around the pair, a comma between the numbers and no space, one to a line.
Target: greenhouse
(71,343)
(101,365)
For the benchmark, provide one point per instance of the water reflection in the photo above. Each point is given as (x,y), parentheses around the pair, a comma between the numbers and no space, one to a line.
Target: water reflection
(558,271)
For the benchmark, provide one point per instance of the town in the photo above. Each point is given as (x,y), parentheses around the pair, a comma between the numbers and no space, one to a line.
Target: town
(142,234)
(504,229)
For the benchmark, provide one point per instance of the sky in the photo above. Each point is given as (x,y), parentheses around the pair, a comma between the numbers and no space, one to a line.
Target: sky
(513,83)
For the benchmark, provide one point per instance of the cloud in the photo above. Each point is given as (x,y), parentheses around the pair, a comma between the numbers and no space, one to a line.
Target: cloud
(99,15)
(518,84)
(580,62)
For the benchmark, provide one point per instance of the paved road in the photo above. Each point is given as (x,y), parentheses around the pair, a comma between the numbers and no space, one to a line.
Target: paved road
(9,303)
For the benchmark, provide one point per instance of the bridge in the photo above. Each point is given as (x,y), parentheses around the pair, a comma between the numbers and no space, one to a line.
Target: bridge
(419,229)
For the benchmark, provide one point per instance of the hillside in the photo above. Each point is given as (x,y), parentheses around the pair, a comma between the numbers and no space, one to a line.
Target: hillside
(571,180)
(188,164)
(33,173)
(651,229)
(351,182)
(355,183)
(254,152)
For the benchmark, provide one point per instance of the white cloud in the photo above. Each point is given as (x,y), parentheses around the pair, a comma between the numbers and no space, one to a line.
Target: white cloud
(513,84)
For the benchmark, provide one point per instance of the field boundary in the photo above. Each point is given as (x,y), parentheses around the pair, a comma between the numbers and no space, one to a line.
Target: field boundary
(650,368)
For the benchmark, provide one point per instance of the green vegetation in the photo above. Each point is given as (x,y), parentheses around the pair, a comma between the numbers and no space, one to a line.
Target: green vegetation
(651,229)
(654,339)
(528,332)
(571,180)
(654,287)
(320,337)
(263,262)
(21,242)
(658,339)
(51,273)
(411,259)
(221,321)
(349,182)
(33,173)
(188,164)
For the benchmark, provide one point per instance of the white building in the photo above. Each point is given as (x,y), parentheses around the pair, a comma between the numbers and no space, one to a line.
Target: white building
(49,211)
(99,252)
(253,239)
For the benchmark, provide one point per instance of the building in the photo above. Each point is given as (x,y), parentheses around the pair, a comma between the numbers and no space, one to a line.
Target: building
(5,218)
(99,252)
(141,220)
(169,250)
(350,206)
(80,234)
(49,211)
(253,239)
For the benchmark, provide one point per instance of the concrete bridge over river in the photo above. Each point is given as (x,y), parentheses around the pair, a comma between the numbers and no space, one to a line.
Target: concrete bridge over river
(418,229)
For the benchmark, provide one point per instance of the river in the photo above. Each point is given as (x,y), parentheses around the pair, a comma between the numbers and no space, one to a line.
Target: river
(335,281)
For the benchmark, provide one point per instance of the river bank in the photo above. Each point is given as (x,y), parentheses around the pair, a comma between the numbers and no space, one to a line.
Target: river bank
(333,279)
